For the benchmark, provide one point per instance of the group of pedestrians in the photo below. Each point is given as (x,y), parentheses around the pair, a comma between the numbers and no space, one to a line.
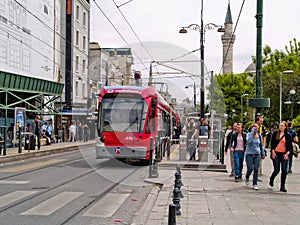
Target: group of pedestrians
(250,146)
(78,132)
(193,130)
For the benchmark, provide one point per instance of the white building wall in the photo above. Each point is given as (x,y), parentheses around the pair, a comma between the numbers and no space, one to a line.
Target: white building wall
(80,50)
(26,38)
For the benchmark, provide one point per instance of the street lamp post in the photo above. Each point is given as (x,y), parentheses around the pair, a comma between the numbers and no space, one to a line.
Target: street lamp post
(280,91)
(194,86)
(202,29)
(242,105)
(291,101)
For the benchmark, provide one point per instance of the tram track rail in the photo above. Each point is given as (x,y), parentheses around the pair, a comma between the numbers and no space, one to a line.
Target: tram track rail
(44,190)
(78,159)
(96,199)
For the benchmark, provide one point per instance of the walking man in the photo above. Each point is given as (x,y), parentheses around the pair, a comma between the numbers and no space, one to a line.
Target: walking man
(261,130)
(294,140)
(228,142)
(238,147)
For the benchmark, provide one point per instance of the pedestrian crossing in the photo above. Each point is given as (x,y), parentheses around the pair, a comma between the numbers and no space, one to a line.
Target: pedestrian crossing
(14,197)
(111,202)
(104,208)
(53,204)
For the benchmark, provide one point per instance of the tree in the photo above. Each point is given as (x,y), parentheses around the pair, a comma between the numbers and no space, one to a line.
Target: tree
(227,92)
(274,63)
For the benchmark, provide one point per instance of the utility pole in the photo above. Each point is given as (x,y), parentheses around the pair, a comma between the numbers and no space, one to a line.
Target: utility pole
(259,24)
(258,102)
(202,104)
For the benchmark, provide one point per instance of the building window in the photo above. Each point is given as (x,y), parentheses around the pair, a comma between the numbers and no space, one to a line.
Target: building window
(15,56)
(76,88)
(83,90)
(3,51)
(2,6)
(26,60)
(77,38)
(77,63)
(84,42)
(84,19)
(77,12)
(83,66)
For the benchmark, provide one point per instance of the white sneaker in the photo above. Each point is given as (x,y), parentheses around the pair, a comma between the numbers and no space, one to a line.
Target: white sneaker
(255,187)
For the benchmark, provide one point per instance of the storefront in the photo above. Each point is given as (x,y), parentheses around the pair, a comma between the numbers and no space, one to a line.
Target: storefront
(36,96)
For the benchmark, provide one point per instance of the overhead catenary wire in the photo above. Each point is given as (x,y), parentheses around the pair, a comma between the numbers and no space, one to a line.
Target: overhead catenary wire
(118,32)
(131,28)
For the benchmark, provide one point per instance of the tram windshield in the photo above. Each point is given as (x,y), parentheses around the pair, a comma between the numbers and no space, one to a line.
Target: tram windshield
(122,114)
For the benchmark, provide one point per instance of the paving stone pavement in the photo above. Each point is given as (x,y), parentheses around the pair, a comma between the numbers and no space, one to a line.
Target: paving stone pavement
(215,198)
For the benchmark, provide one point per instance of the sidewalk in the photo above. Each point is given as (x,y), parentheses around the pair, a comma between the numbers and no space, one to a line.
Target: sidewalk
(13,155)
(215,198)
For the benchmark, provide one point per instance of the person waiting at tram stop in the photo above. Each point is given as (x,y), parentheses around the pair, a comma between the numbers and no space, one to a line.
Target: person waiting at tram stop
(36,129)
(238,147)
(192,138)
(281,148)
(204,128)
(254,153)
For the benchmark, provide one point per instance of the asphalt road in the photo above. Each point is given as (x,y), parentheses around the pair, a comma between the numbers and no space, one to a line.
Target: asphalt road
(71,188)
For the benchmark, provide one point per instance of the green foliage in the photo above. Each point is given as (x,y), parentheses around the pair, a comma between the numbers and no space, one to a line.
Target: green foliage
(228,88)
(232,87)
(274,63)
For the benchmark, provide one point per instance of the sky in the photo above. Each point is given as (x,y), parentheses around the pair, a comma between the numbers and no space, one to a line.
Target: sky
(156,23)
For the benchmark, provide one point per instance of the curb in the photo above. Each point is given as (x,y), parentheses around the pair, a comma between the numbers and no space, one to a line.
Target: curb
(143,214)
(39,153)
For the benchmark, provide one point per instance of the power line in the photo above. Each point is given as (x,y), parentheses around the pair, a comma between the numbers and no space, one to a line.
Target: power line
(135,34)
(111,23)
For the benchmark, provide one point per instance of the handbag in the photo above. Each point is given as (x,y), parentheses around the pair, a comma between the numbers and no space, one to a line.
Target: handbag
(296,149)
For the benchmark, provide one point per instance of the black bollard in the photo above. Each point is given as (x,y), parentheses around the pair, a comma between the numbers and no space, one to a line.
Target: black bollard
(178,183)
(172,215)
(179,171)
(176,200)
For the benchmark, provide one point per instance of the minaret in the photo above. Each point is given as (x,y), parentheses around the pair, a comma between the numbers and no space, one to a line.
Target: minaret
(227,41)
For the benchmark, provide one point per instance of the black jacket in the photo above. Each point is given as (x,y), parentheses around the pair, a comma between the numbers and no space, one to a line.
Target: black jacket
(234,137)
(288,142)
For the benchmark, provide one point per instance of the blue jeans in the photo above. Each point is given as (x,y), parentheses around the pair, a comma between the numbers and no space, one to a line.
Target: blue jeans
(252,162)
(238,162)
(279,160)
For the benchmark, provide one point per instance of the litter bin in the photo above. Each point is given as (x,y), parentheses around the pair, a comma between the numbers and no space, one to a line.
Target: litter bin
(182,148)
(29,142)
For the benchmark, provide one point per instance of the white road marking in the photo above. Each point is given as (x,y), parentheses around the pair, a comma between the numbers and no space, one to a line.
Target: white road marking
(14,196)
(14,181)
(51,205)
(107,206)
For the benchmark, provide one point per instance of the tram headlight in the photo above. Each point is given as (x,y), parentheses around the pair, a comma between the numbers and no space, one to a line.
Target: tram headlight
(102,138)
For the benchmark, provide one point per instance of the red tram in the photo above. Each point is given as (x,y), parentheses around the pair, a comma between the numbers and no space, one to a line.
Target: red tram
(128,117)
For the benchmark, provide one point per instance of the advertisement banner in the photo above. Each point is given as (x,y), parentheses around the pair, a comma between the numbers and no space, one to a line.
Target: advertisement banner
(20,116)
